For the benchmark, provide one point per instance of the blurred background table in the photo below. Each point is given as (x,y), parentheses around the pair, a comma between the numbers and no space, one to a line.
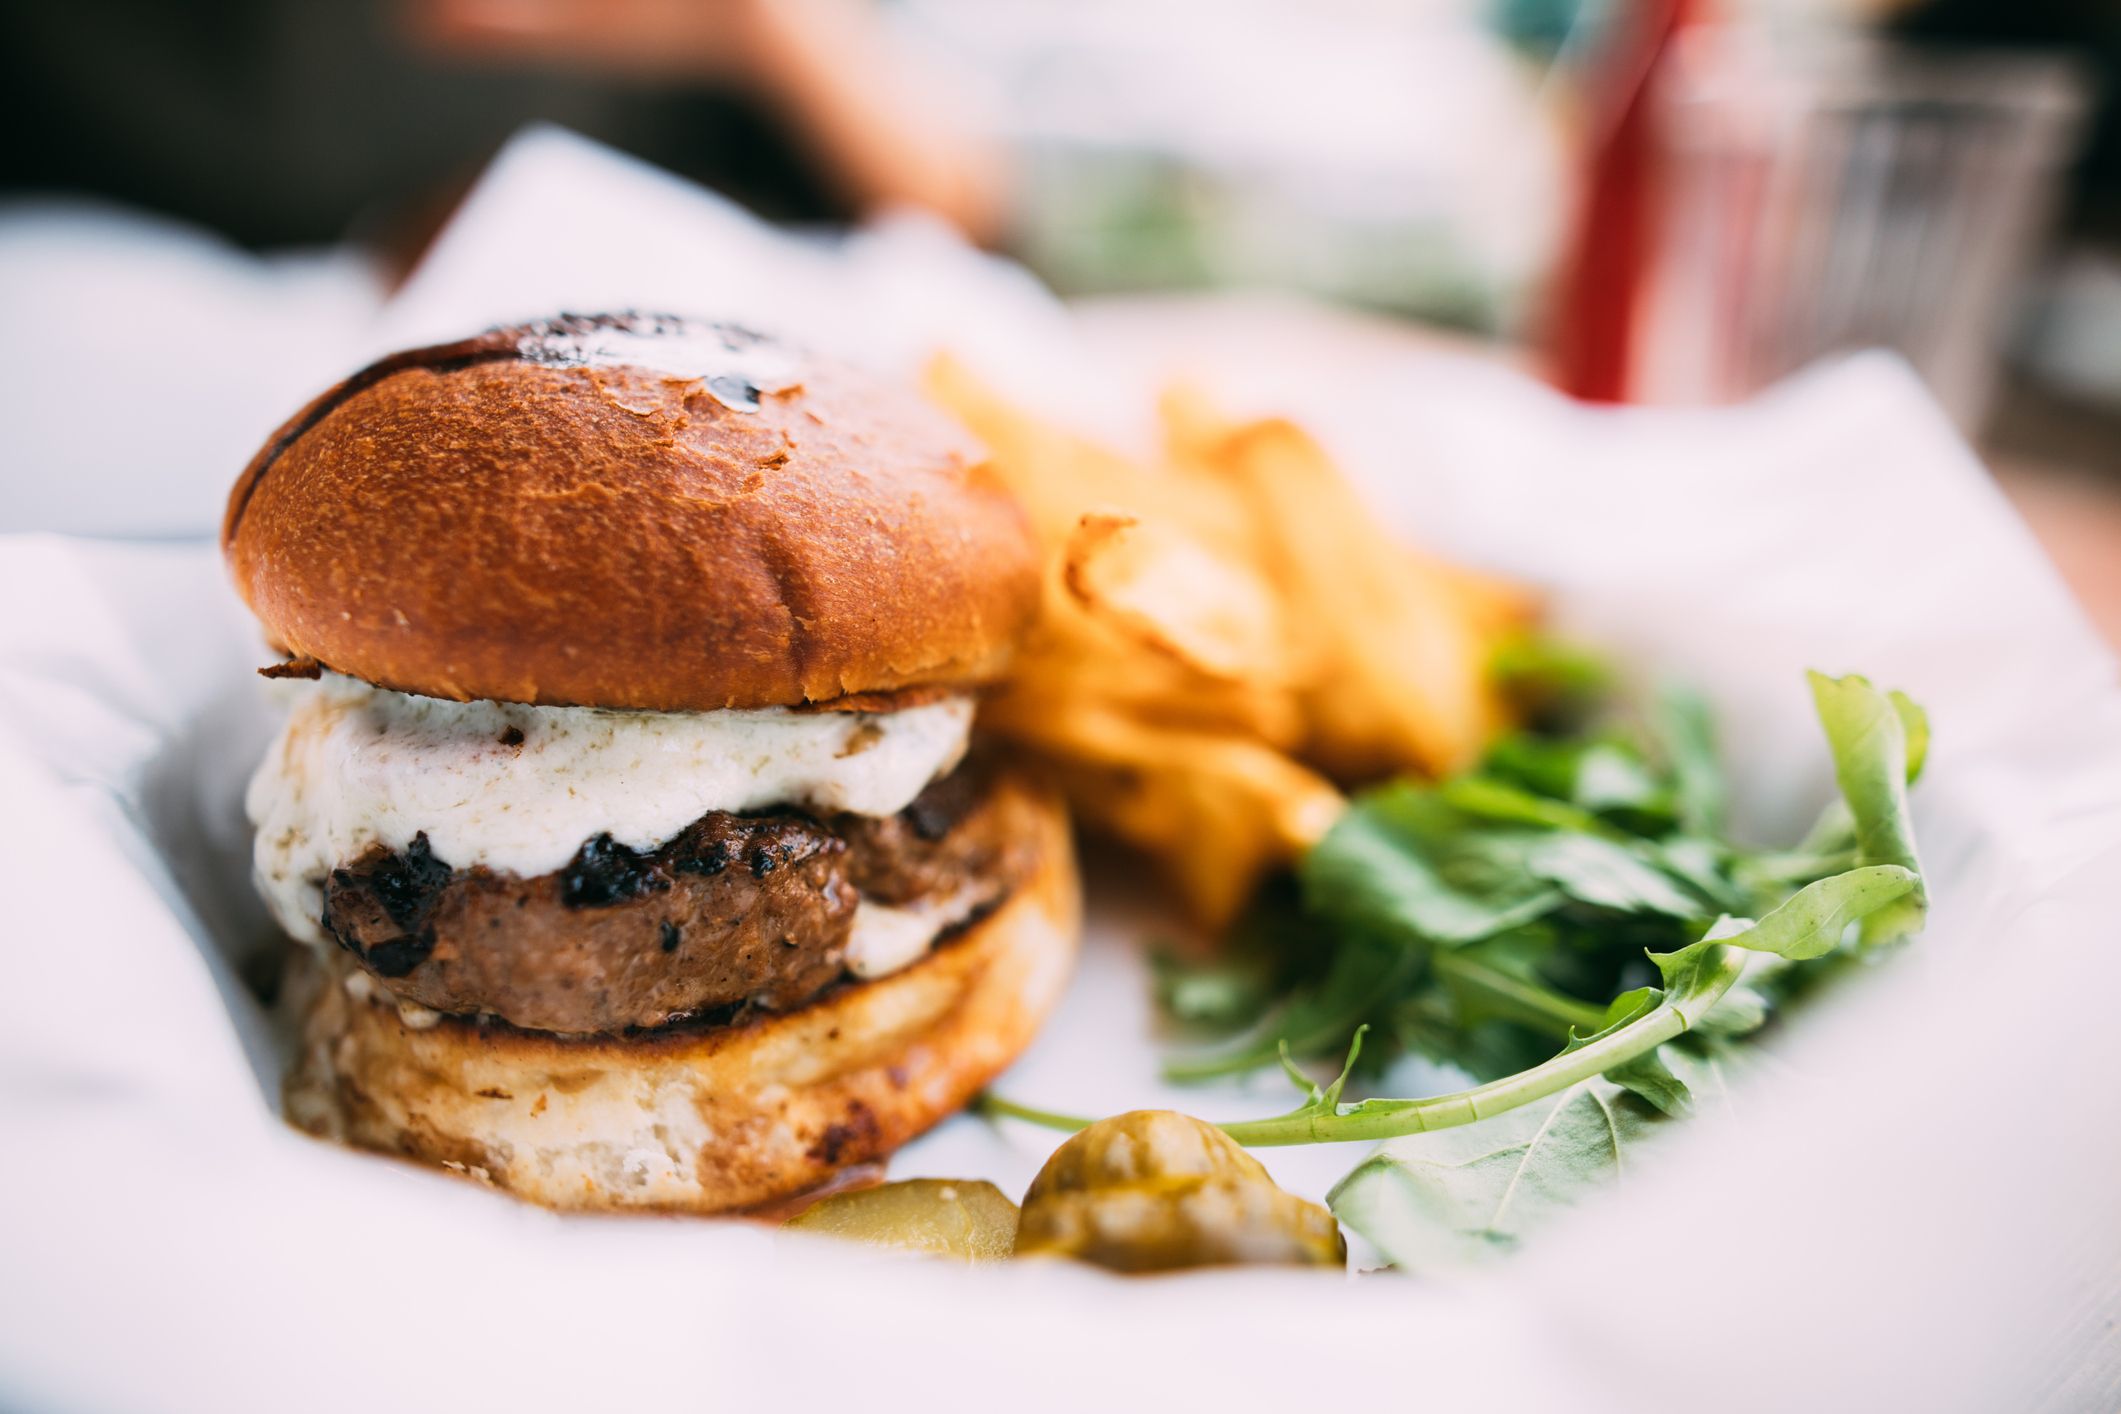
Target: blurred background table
(1652,201)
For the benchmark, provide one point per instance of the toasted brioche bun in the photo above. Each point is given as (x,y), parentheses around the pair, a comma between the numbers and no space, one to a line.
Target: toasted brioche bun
(698,1120)
(630,511)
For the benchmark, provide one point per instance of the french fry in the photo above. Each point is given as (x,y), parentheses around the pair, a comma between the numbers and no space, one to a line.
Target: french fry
(1405,679)
(1073,658)
(1494,606)
(1216,812)
(1059,475)
(1171,594)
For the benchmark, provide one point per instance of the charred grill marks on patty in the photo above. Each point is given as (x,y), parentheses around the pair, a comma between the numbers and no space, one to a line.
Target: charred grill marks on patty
(736,911)
(604,872)
(709,862)
(403,888)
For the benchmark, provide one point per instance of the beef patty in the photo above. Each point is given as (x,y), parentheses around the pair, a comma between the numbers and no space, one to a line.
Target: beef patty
(736,911)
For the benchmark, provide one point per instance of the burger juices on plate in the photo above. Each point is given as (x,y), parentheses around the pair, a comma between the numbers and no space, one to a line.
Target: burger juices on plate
(631,810)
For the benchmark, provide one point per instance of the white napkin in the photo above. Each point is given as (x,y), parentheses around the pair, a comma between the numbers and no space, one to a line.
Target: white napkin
(1913,1211)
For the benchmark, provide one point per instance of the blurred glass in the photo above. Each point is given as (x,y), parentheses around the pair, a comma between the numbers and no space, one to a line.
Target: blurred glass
(1843,194)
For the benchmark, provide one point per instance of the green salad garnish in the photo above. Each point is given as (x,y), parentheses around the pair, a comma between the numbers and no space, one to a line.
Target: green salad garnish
(1569,926)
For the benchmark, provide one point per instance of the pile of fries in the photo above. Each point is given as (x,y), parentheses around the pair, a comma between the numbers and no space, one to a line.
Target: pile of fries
(1228,638)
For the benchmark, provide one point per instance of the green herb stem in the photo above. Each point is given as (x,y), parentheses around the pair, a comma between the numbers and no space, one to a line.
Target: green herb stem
(1391,1119)
(994,1106)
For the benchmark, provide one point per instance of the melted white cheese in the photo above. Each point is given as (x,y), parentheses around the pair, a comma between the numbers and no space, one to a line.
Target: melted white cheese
(358,765)
(885,938)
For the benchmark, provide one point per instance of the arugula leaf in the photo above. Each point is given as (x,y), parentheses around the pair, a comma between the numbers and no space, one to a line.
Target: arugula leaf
(1213,991)
(1316,1019)
(1706,866)
(1499,800)
(1745,1008)
(1688,736)
(1811,922)
(1601,776)
(1433,1022)
(1771,873)
(1603,874)
(1448,1199)
(1239,982)
(1613,779)
(1830,845)
(1375,870)
(1546,679)
(1868,737)
(1545,766)
(1869,734)
(1493,980)
(1915,725)
(1649,1078)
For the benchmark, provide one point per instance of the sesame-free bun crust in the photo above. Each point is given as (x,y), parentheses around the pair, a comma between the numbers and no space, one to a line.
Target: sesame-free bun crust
(705,1120)
(630,511)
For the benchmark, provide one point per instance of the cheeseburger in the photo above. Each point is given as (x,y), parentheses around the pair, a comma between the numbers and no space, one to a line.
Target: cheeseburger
(628,801)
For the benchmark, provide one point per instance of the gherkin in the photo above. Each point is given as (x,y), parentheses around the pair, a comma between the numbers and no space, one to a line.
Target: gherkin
(1157,1191)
